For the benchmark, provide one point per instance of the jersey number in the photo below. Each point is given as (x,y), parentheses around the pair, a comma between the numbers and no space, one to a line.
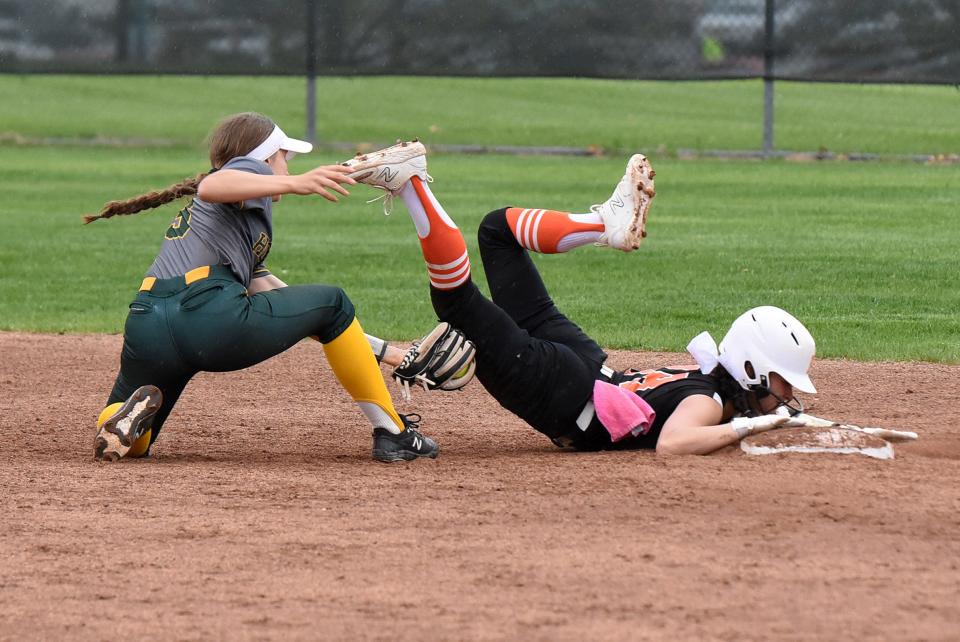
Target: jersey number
(180,226)
(262,247)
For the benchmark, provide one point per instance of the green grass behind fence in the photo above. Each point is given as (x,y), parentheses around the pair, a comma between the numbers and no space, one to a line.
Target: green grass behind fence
(865,254)
(609,114)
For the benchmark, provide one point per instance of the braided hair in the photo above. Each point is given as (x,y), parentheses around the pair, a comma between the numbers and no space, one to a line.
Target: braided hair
(236,135)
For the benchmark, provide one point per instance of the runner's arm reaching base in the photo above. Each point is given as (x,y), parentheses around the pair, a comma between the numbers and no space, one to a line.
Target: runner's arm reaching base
(694,428)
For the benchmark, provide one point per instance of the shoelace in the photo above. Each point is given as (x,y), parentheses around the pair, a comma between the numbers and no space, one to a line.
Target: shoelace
(408,360)
(411,355)
(388,196)
(409,423)
(405,385)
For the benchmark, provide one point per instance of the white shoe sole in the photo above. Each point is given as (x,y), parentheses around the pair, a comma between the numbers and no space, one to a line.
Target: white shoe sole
(641,176)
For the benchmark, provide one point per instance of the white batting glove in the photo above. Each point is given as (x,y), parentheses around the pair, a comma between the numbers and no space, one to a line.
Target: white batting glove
(809,421)
(804,420)
(744,426)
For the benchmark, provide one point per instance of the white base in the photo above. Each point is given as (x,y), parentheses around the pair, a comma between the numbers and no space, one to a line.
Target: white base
(885,452)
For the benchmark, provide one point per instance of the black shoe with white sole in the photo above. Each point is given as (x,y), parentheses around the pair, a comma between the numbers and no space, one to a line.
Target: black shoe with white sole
(406,446)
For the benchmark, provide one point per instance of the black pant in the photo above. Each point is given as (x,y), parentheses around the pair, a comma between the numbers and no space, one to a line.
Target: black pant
(536,362)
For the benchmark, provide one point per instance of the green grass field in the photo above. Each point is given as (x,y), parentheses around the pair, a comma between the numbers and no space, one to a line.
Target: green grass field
(610,114)
(865,254)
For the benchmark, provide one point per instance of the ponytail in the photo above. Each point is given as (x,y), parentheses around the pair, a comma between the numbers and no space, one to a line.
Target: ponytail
(730,389)
(186,187)
(236,135)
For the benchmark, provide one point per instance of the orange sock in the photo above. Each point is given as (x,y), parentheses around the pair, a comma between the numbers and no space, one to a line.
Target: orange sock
(441,242)
(551,232)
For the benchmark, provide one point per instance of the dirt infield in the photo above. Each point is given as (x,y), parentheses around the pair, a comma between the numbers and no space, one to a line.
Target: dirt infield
(261,515)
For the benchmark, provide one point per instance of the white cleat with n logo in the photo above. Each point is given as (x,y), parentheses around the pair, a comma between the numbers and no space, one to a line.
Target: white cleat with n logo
(624,214)
(389,169)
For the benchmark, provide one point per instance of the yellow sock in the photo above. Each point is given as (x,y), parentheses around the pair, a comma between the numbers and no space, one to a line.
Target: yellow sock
(356,368)
(108,412)
(140,446)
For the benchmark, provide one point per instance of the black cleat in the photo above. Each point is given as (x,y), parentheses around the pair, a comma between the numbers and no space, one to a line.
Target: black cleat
(118,433)
(408,445)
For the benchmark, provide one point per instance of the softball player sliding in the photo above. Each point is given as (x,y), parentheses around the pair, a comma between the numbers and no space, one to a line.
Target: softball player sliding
(208,302)
(543,368)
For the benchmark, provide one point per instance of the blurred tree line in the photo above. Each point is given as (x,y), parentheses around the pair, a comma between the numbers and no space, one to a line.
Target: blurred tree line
(883,40)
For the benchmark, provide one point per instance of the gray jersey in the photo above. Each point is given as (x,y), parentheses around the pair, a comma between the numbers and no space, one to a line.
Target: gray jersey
(236,235)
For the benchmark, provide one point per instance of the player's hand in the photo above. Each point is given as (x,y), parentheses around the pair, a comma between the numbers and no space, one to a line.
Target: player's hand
(802,419)
(744,426)
(322,180)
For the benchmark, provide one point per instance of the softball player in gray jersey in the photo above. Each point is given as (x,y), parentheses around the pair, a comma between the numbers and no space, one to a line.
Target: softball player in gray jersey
(208,302)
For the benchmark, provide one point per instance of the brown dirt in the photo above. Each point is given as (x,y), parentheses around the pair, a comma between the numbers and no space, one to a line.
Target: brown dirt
(261,515)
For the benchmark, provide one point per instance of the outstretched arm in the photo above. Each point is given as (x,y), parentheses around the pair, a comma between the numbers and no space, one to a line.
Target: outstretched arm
(234,186)
(694,428)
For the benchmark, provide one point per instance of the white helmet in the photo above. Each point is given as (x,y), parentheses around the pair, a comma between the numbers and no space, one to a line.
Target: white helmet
(770,340)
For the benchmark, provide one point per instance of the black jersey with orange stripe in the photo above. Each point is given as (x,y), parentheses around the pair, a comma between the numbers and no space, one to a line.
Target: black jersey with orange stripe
(663,389)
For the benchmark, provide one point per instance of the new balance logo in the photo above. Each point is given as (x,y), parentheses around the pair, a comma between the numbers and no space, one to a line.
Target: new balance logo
(417,443)
(388,175)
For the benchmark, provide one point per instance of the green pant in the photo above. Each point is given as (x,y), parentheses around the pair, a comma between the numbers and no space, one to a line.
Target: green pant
(176,330)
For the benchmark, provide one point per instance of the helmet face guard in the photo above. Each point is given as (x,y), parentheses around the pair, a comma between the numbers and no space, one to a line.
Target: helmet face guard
(790,407)
(765,340)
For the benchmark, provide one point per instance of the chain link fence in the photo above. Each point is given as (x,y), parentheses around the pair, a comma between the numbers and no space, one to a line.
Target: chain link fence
(902,41)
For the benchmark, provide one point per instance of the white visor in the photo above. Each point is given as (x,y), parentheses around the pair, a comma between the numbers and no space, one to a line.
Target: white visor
(276,141)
